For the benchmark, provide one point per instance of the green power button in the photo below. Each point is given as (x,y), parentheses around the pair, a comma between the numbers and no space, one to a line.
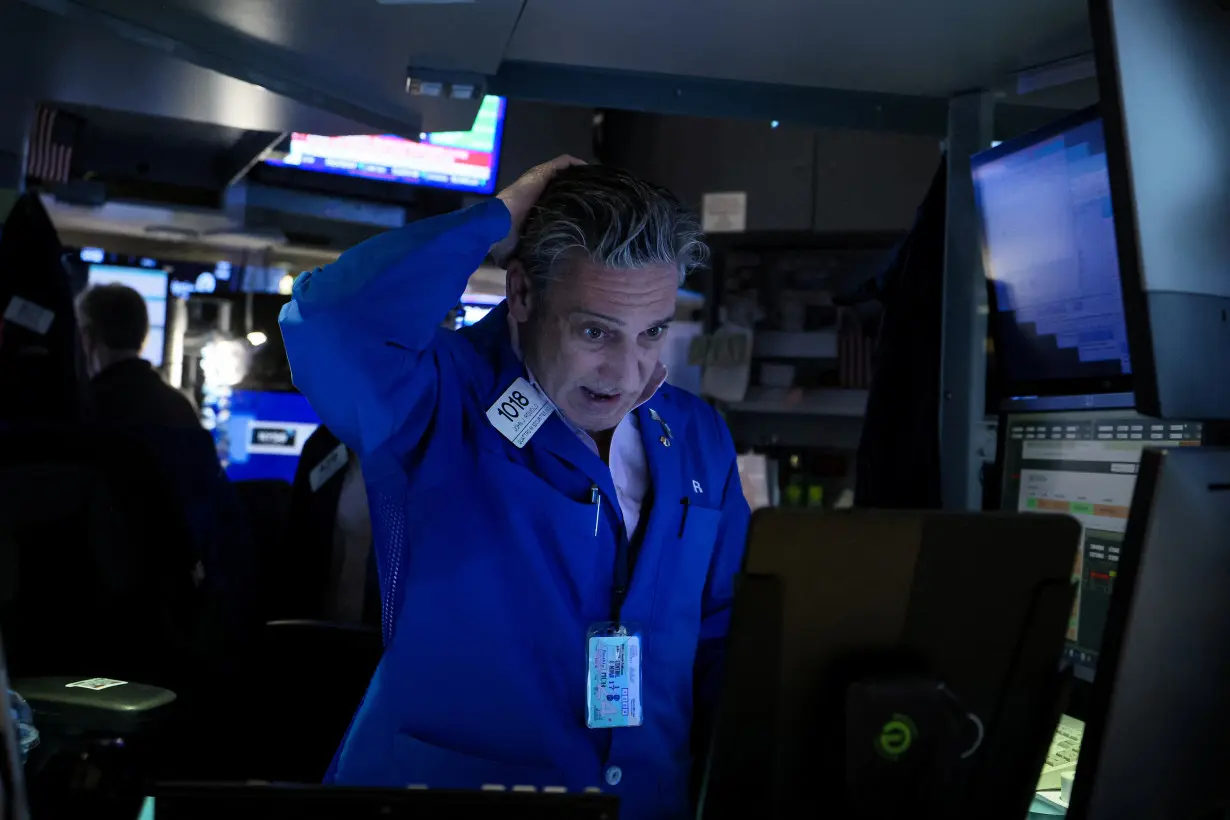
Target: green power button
(896,737)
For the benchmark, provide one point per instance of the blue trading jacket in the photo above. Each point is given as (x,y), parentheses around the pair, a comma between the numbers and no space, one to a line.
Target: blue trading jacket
(490,568)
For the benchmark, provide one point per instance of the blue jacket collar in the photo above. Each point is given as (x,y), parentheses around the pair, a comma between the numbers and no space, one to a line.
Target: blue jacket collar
(490,335)
(659,418)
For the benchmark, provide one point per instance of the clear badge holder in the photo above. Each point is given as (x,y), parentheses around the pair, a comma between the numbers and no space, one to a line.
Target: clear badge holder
(615,654)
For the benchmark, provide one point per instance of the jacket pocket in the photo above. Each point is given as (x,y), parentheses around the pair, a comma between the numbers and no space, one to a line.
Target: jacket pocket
(425,764)
(700,527)
(685,568)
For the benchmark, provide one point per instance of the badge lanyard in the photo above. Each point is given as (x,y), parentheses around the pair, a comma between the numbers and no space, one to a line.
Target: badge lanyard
(613,649)
(614,685)
(621,575)
(623,546)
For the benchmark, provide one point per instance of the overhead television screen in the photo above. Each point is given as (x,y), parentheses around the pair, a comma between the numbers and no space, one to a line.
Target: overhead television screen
(456,160)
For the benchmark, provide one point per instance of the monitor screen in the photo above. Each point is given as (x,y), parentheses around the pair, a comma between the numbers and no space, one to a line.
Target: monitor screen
(264,435)
(151,283)
(1084,463)
(474,308)
(457,160)
(1049,249)
(1164,74)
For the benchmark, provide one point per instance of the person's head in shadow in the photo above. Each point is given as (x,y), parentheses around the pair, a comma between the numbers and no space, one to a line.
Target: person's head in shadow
(114,324)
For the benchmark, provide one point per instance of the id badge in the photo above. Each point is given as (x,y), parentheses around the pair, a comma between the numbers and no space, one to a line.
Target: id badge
(613,682)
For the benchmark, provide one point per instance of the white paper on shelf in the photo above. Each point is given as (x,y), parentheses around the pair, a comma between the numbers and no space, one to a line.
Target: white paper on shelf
(727,374)
(680,371)
(754,476)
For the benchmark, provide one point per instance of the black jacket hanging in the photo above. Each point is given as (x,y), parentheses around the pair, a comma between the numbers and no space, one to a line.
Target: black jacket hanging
(40,362)
(898,465)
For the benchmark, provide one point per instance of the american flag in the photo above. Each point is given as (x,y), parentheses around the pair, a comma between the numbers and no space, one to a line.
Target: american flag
(854,349)
(50,154)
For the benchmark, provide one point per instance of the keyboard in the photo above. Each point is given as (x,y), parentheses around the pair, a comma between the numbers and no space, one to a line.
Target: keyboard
(199,801)
(1063,754)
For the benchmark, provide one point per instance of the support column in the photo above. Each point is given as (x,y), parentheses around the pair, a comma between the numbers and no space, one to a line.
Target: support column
(16,114)
(963,422)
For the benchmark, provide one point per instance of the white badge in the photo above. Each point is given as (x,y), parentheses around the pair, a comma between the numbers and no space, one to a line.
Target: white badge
(29,315)
(328,467)
(519,412)
(95,684)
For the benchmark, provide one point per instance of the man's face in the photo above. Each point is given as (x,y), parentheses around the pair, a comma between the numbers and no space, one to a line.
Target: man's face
(594,337)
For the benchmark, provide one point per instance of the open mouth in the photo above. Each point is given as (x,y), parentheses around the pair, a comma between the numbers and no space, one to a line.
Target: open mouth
(600,398)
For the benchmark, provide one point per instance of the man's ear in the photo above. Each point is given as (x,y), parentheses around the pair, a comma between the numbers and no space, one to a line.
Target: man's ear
(519,292)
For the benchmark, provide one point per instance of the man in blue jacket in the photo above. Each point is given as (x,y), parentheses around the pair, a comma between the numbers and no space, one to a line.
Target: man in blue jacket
(556,529)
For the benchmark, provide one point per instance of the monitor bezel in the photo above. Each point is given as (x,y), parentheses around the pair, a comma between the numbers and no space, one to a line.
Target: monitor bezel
(394,185)
(1011,388)
(1082,675)
(163,365)
(1158,295)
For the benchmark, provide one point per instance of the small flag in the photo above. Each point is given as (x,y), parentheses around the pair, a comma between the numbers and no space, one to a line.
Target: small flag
(854,352)
(50,154)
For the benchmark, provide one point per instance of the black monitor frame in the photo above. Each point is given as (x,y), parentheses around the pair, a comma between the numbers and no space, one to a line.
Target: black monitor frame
(1080,692)
(421,200)
(1161,64)
(1152,747)
(1010,388)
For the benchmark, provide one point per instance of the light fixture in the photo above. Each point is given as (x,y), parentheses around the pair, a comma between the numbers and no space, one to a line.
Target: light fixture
(256,338)
(224,363)
(774,123)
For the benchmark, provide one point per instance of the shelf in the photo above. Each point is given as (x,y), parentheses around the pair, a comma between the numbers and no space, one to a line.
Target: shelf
(780,344)
(835,401)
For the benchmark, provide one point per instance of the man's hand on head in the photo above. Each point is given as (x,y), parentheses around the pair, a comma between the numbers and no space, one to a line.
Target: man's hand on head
(521,196)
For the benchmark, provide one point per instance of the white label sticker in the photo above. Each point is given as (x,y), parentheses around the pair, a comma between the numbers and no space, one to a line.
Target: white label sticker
(724,212)
(29,315)
(519,412)
(96,684)
(328,467)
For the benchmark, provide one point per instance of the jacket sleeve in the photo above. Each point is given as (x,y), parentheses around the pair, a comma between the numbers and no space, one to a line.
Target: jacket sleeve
(719,593)
(356,331)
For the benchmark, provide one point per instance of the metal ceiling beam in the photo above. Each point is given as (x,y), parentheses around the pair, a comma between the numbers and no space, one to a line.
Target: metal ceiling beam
(1052,75)
(234,164)
(208,44)
(701,97)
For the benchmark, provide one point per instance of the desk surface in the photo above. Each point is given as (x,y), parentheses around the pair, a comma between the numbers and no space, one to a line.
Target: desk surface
(1046,804)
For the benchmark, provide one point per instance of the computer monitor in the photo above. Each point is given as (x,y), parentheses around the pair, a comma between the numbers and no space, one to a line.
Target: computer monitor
(264,435)
(891,664)
(1156,744)
(1164,71)
(152,284)
(1048,235)
(1084,463)
(474,307)
(457,160)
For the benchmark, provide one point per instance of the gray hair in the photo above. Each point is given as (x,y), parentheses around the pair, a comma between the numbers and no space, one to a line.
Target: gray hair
(608,216)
